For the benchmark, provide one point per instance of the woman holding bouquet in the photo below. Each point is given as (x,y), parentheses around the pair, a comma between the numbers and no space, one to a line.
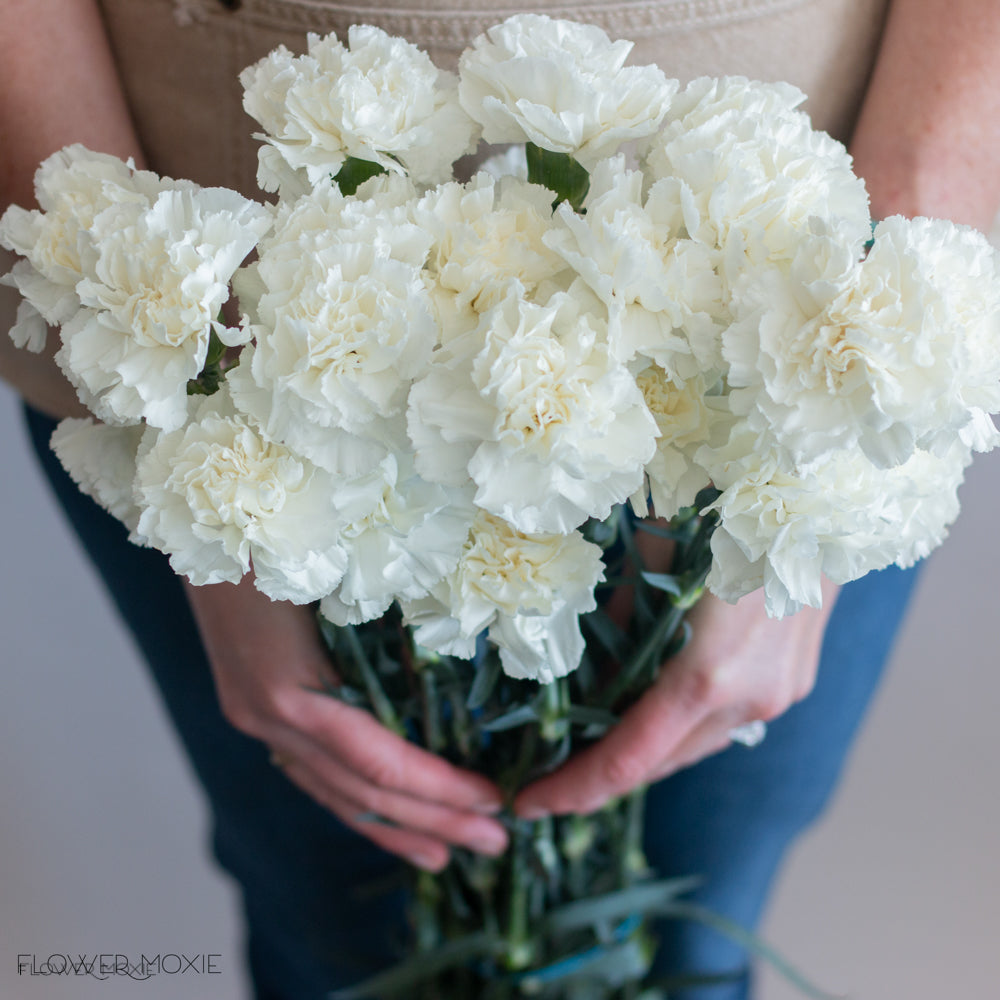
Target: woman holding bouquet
(158,81)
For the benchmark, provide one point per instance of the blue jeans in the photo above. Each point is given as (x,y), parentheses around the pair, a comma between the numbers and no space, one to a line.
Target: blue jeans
(311,927)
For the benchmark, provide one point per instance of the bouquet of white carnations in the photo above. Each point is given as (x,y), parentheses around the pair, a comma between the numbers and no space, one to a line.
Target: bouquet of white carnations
(441,396)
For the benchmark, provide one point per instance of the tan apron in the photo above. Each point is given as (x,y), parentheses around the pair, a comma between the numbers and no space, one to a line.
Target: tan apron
(180,59)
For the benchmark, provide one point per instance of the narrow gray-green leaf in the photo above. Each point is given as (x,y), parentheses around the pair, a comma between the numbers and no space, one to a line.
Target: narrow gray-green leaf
(666,582)
(407,974)
(608,633)
(684,910)
(519,716)
(487,675)
(644,898)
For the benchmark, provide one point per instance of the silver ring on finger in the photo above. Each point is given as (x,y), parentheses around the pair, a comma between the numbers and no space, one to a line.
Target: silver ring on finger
(373,817)
(750,734)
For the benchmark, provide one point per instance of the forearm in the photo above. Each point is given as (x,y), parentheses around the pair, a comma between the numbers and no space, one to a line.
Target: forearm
(928,141)
(59,86)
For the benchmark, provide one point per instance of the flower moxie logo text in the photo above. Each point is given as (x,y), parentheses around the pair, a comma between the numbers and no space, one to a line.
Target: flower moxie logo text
(105,965)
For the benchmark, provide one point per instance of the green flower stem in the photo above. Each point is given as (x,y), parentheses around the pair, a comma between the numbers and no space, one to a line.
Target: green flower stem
(425,905)
(461,729)
(433,735)
(576,842)
(555,713)
(633,858)
(380,701)
(663,631)
(519,948)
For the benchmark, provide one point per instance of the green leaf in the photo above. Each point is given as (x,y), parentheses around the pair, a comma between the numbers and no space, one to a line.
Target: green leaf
(684,910)
(329,631)
(405,975)
(342,692)
(647,897)
(666,582)
(210,377)
(355,172)
(519,716)
(671,984)
(644,613)
(374,818)
(603,533)
(560,173)
(677,530)
(596,718)
(614,582)
(608,633)
(216,349)
(487,675)
(706,497)
(381,703)
(611,964)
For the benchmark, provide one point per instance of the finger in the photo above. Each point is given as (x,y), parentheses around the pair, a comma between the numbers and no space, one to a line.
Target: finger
(631,754)
(363,745)
(707,738)
(468,829)
(420,849)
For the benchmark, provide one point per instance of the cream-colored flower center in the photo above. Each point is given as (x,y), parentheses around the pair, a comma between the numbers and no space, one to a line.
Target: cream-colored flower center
(342,328)
(508,569)
(679,411)
(158,316)
(239,482)
(541,393)
(475,260)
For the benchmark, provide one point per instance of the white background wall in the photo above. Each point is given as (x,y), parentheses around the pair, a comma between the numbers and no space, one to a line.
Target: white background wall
(103,838)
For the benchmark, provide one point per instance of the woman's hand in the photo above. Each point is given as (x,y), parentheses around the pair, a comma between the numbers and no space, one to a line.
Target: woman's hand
(267,662)
(739,666)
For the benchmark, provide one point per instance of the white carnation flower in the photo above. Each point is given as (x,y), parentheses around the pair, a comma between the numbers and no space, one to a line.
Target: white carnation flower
(755,170)
(783,529)
(219,498)
(341,329)
(73,187)
(101,460)
(528,591)
(562,85)
(963,268)
(683,422)
(537,412)
(486,234)
(663,293)
(379,214)
(891,353)
(402,536)
(380,99)
(926,487)
(159,278)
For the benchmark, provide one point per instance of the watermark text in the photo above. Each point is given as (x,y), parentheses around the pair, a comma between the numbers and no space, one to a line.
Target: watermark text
(105,965)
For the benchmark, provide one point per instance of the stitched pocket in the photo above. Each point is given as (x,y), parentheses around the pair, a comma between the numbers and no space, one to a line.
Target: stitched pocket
(452,24)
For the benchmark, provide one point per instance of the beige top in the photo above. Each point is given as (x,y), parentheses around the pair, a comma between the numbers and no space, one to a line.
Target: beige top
(180,59)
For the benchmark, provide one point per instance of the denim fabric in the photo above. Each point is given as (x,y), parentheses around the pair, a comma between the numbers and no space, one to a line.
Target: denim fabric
(314,916)
(732,817)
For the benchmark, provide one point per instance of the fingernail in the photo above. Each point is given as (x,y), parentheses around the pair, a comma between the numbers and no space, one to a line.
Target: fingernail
(425,861)
(487,808)
(493,842)
(532,813)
